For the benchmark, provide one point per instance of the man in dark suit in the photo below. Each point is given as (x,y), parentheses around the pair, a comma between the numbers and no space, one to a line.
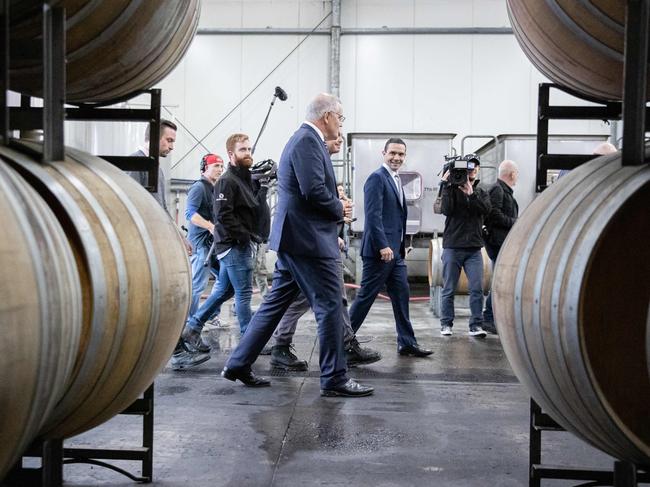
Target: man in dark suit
(382,248)
(503,215)
(304,235)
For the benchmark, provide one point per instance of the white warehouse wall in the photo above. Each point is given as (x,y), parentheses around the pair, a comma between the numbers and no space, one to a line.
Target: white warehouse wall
(464,84)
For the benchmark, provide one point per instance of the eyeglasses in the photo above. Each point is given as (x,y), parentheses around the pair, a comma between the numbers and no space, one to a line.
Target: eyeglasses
(341,117)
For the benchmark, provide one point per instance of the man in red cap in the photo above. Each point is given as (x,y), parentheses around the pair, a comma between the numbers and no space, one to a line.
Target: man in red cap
(198,211)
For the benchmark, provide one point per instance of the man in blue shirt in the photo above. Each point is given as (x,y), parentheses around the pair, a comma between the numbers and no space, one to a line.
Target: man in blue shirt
(198,212)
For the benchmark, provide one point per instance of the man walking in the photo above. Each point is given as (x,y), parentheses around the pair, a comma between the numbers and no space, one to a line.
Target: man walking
(382,248)
(304,235)
(198,210)
(281,355)
(238,209)
(503,215)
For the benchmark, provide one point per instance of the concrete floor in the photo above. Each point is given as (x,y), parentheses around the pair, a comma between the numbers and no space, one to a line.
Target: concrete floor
(457,418)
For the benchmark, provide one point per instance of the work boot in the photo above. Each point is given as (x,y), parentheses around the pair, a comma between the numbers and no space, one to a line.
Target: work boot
(193,340)
(184,359)
(283,358)
(355,354)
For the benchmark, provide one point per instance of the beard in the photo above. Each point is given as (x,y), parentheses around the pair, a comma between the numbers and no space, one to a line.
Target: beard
(246,161)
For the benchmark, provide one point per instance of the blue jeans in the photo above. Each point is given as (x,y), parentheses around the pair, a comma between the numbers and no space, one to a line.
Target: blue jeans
(452,262)
(200,275)
(235,277)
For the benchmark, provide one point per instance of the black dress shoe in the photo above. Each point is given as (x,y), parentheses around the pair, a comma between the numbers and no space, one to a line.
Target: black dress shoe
(414,351)
(248,378)
(348,389)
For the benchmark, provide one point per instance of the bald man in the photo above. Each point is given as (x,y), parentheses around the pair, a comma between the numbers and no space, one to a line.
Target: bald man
(500,220)
(602,149)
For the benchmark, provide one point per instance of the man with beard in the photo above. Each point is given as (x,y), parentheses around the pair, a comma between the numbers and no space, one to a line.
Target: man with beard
(304,235)
(183,357)
(166,145)
(239,206)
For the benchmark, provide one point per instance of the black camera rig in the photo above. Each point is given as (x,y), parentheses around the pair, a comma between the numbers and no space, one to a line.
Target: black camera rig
(458,167)
(266,169)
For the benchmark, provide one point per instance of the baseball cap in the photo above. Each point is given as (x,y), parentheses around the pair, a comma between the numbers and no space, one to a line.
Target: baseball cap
(210,159)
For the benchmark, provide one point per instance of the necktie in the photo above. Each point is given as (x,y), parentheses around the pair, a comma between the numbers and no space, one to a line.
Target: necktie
(399,188)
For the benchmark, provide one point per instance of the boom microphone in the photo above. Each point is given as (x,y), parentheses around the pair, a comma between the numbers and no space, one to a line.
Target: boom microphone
(280,93)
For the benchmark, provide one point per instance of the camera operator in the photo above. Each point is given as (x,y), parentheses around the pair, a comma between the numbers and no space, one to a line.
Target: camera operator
(503,215)
(240,209)
(465,205)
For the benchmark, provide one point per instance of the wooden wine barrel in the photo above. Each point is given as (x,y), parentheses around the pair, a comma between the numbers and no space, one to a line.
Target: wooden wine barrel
(136,281)
(40,314)
(434,267)
(570,296)
(112,48)
(575,43)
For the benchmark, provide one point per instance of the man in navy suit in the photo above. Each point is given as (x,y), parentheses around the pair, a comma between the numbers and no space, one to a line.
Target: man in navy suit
(304,235)
(382,248)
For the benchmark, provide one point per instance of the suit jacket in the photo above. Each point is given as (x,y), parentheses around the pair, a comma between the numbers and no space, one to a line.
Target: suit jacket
(385,223)
(305,221)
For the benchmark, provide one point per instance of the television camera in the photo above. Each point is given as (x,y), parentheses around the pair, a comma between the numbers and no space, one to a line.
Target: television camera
(458,167)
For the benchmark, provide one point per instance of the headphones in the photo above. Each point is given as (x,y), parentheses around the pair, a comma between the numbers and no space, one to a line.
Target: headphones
(209,159)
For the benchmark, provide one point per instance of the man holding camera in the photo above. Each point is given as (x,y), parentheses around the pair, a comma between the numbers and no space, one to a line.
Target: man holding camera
(503,216)
(465,205)
(239,207)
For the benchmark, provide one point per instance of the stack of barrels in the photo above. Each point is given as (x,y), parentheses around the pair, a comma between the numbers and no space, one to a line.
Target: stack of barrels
(95,278)
(572,282)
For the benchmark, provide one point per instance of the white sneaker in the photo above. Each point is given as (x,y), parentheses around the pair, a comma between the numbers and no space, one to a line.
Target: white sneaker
(445,331)
(214,324)
(476,331)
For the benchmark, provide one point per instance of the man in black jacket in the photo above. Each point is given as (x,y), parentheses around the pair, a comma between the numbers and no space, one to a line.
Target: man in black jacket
(240,210)
(465,207)
(502,217)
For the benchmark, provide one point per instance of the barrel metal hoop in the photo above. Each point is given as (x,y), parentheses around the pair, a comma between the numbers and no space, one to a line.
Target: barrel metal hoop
(575,28)
(151,256)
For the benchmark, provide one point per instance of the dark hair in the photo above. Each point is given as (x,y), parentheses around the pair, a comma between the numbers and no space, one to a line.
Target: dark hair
(163,123)
(394,140)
